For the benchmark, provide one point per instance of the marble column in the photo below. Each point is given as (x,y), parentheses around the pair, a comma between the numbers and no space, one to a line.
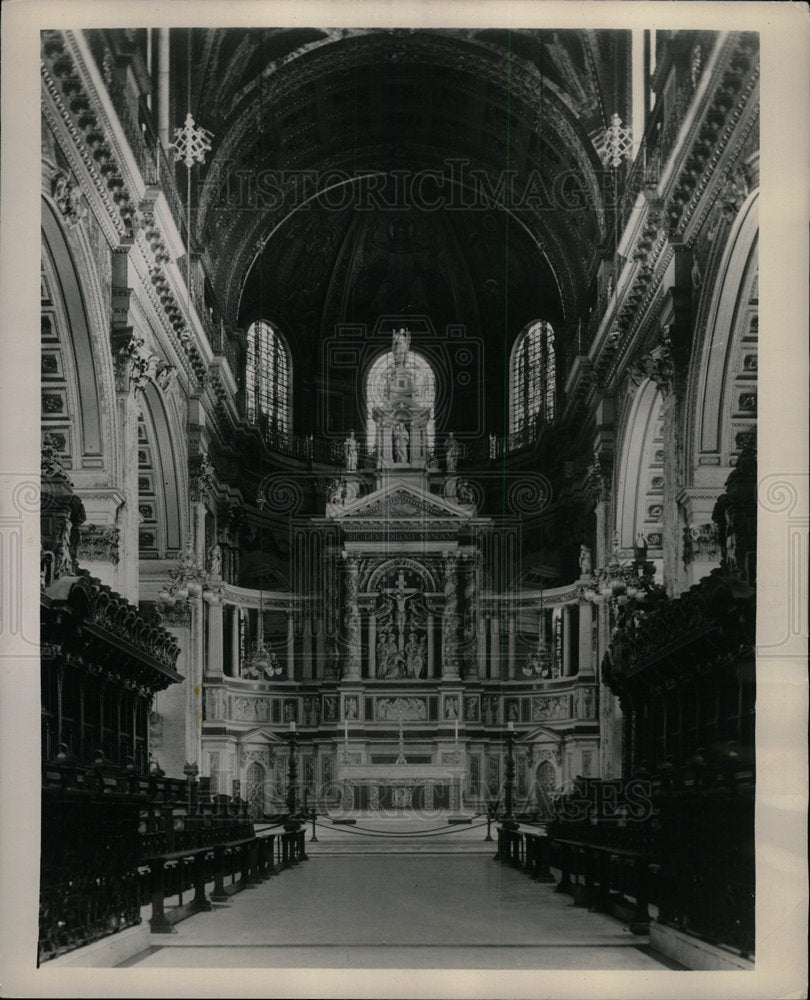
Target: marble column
(193,683)
(586,638)
(450,619)
(566,625)
(307,671)
(216,652)
(236,622)
(471,649)
(481,640)
(494,647)
(290,646)
(511,626)
(372,644)
(352,619)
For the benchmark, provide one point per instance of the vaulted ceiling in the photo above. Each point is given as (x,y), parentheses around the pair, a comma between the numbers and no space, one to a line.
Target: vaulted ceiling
(414,133)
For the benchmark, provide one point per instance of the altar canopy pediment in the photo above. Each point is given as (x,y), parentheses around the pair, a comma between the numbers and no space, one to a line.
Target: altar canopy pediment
(398,501)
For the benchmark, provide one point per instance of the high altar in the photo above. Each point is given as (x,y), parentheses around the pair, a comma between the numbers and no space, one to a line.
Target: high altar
(409,646)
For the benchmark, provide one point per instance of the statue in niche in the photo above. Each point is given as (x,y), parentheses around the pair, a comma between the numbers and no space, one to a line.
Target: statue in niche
(451,708)
(382,654)
(414,656)
(401,438)
(585,562)
(471,708)
(350,453)
(330,708)
(215,560)
(451,453)
(351,708)
(394,658)
(512,711)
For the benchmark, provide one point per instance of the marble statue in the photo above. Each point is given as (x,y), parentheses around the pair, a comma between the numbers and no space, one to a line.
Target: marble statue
(585,563)
(464,492)
(401,437)
(350,452)
(451,453)
(401,343)
(215,560)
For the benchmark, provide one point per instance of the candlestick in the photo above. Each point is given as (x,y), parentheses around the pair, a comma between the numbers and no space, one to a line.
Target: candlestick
(456,730)
(345,731)
(510,725)
(292,726)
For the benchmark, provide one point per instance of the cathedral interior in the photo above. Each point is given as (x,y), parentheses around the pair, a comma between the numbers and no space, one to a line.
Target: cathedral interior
(399,407)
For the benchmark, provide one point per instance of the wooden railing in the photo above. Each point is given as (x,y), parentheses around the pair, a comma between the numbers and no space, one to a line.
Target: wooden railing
(690,855)
(114,841)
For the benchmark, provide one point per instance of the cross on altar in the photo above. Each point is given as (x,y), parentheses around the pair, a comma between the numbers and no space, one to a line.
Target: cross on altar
(399,595)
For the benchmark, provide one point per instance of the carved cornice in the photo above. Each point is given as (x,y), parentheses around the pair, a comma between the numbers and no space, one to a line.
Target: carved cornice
(126,196)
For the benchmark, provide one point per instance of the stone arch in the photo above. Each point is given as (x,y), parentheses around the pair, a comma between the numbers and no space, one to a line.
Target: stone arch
(405,563)
(159,479)
(640,470)
(724,378)
(73,407)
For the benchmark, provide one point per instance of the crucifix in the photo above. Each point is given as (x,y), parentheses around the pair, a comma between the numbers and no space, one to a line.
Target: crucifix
(399,595)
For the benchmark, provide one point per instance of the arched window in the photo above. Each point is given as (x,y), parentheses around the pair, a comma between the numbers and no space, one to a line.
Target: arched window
(532,381)
(267,378)
(424,390)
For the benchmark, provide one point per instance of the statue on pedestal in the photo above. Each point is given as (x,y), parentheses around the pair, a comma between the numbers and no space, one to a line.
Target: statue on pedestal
(350,452)
(401,438)
(451,453)
(585,563)
(400,346)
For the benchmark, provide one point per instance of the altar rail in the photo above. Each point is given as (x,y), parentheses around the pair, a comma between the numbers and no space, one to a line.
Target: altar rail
(114,841)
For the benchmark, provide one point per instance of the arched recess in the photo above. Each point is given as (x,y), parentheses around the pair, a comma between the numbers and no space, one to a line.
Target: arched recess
(725,393)
(640,480)
(71,402)
(159,492)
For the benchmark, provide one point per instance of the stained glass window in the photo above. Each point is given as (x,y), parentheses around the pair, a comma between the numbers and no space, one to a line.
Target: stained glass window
(267,379)
(532,378)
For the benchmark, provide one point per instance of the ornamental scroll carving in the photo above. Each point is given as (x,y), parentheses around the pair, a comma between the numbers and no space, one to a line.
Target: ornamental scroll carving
(701,543)
(98,543)
(68,197)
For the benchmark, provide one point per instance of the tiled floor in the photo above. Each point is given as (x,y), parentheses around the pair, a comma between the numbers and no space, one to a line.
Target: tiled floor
(400,911)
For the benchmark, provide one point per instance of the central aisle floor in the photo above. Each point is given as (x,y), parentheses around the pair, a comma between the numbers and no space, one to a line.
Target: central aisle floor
(400,911)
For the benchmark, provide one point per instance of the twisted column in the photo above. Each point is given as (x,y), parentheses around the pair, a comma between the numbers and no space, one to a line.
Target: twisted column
(450,619)
(352,619)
